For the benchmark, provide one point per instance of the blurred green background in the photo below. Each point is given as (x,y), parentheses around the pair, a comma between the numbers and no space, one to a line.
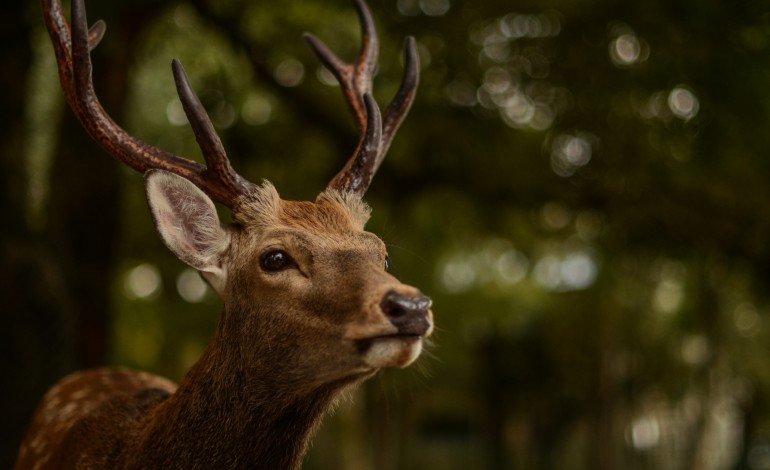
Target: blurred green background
(583,187)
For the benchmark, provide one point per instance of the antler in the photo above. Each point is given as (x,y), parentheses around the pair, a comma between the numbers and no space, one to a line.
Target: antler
(72,49)
(356,82)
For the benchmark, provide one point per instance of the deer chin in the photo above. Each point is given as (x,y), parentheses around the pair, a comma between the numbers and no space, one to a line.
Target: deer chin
(390,351)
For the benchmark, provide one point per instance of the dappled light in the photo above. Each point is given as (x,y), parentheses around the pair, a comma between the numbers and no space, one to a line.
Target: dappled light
(257,109)
(747,320)
(644,433)
(627,49)
(175,113)
(683,103)
(573,270)
(426,7)
(516,73)
(289,73)
(142,282)
(581,188)
(494,263)
(571,152)
(669,292)
(191,287)
(522,25)
(325,76)
(695,350)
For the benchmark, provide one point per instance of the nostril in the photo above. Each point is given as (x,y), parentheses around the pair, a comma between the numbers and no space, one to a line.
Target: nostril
(407,313)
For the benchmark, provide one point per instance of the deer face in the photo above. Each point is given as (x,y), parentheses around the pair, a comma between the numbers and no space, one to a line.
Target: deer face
(301,274)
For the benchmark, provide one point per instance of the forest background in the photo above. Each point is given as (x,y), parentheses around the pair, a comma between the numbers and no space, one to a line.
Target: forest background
(581,186)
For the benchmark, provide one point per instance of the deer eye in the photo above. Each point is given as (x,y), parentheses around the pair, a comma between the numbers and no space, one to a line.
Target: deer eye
(275,260)
(387,263)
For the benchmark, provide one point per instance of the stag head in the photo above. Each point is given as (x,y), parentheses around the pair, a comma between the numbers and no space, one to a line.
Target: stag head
(325,276)
(289,272)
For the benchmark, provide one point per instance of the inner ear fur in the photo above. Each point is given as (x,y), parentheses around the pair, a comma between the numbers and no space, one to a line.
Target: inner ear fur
(188,224)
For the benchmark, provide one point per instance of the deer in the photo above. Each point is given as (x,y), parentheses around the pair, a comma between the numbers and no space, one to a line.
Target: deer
(309,309)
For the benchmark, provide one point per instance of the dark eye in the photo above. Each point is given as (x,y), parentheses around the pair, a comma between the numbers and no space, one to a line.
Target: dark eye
(276,260)
(387,263)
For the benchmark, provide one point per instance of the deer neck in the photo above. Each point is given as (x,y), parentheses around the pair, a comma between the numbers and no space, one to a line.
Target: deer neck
(232,413)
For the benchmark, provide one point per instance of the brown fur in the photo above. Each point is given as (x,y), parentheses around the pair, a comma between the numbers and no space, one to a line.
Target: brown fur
(287,344)
(290,338)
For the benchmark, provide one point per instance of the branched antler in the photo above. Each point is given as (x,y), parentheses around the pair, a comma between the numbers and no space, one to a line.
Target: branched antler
(356,82)
(72,48)
(217,178)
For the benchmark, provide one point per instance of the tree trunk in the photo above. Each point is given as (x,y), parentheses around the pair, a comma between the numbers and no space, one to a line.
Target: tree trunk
(55,282)
(34,339)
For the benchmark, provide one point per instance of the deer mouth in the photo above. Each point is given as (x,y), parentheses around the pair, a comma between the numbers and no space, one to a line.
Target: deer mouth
(403,336)
(394,337)
(392,350)
(364,344)
(397,341)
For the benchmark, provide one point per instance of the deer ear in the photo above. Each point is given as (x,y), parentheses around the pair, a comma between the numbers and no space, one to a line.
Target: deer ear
(188,224)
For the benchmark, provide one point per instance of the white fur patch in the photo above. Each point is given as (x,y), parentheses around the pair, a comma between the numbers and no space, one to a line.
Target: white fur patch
(393,352)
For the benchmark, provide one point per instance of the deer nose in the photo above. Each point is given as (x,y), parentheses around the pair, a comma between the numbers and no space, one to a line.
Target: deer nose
(410,314)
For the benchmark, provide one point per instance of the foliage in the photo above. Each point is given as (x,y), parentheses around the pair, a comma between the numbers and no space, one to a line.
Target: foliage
(581,187)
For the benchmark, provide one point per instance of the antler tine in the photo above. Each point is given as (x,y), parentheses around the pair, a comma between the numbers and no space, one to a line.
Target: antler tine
(72,49)
(218,166)
(356,82)
(402,102)
(358,172)
(356,78)
(95,34)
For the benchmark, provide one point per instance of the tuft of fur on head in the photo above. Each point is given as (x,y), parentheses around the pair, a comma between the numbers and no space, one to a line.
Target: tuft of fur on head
(358,210)
(260,207)
(264,208)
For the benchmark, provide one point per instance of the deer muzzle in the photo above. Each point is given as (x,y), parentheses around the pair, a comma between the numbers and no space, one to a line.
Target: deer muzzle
(398,341)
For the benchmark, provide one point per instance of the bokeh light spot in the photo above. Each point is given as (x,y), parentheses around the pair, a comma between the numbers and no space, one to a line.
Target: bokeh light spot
(289,73)
(190,286)
(434,7)
(142,282)
(256,110)
(683,103)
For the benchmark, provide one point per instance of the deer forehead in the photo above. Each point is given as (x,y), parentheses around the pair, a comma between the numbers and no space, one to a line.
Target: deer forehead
(335,219)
